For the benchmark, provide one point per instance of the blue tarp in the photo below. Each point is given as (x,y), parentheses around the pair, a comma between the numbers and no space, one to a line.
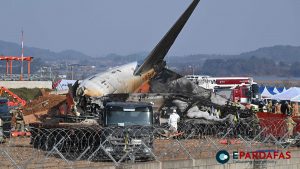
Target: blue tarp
(271,90)
(261,89)
(266,93)
(280,89)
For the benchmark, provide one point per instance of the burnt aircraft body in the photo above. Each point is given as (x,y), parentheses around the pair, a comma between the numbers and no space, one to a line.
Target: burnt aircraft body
(127,78)
(93,91)
(198,107)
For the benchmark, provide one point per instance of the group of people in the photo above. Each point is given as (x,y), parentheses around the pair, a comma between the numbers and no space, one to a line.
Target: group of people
(290,109)
(285,107)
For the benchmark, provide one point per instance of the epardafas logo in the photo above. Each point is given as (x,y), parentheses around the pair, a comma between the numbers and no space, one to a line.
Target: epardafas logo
(222,156)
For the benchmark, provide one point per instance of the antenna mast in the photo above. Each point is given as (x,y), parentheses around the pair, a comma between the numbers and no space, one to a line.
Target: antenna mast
(22,56)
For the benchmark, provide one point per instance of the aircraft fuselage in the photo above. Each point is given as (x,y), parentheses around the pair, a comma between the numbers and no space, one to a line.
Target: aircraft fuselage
(128,78)
(115,80)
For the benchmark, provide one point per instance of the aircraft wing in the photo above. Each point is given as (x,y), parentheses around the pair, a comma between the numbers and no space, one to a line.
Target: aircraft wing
(157,55)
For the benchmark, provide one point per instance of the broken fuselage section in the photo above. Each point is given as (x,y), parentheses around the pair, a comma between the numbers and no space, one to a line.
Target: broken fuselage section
(116,80)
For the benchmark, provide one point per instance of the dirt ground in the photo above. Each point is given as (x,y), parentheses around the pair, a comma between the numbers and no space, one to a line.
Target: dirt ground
(23,154)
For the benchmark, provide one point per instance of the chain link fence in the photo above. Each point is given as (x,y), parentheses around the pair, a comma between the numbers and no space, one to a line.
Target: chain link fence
(80,146)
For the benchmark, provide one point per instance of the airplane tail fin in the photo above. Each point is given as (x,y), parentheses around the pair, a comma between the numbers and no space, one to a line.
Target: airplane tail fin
(157,55)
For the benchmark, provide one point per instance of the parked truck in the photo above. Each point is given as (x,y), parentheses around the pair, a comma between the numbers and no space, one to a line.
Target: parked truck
(237,89)
(131,125)
(124,129)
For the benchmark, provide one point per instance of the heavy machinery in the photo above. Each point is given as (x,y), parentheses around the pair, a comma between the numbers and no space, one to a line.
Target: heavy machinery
(131,125)
(14,100)
(124,130)
(11,113)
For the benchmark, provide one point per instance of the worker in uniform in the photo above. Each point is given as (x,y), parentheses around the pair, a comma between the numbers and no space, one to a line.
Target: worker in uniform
(13,113)
(269,107)
(261,106)
(233,104)
(238,111)
(173,120)
(253,109)
(273,107)
(289,109)
(295,109)
(278,108)
(1,131)
(290,123)
(283,108)
(19,120)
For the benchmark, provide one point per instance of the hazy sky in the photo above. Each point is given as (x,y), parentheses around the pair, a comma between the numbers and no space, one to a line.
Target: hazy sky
(99,27)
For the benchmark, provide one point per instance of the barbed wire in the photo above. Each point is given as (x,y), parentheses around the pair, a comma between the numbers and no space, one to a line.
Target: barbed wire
(87,146)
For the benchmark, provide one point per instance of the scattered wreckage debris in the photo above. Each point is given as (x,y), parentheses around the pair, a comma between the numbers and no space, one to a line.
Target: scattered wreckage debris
(42,103)
(43,107)
(164,89)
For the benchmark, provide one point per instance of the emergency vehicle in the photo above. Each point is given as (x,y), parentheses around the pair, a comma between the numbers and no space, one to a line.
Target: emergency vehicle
(237,89)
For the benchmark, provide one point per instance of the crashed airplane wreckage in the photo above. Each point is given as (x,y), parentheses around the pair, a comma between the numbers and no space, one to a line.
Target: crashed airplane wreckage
(152,82)
(105,105)
(128,82)
(149,82)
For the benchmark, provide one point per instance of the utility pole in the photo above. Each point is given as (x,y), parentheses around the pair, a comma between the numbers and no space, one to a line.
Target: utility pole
(22,55)
(50,73)
(72,75)
(192,67)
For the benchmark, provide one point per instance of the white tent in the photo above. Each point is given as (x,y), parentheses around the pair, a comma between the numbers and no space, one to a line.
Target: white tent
(296,99)
(275,90)
(284,89)
(63,85)
(265,93)
(288,94)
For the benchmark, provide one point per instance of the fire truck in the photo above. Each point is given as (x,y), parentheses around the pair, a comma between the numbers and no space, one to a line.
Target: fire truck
(237,89)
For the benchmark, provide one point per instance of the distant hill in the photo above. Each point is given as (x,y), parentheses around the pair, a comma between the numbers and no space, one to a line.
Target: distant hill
(287,54)
(14,49)
(281,61)
(126,58)
(277,53)
(276,60)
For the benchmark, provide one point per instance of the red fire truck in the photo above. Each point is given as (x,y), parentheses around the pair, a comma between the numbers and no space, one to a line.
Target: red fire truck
(237,89)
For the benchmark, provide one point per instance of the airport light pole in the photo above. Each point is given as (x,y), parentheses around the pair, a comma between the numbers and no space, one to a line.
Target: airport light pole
(22,56)
(192,67)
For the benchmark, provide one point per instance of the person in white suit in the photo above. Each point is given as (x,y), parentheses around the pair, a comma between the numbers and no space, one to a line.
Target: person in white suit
(173,120)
